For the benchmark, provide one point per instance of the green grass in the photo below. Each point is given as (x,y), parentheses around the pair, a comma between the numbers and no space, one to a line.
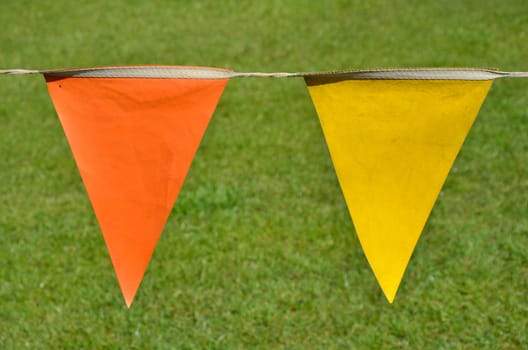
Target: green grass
(259,251)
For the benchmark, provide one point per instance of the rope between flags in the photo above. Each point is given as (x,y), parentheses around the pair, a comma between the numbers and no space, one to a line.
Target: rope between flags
(312,78)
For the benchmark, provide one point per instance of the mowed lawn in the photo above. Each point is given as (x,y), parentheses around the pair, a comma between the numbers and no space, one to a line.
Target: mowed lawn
(259,251)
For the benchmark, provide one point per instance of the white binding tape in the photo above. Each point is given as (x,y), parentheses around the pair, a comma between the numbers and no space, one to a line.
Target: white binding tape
(183,72)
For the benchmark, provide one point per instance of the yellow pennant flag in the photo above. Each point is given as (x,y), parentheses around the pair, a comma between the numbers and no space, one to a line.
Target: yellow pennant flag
(393,137)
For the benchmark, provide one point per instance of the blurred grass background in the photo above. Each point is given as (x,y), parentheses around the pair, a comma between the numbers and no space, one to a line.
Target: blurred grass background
(260,251)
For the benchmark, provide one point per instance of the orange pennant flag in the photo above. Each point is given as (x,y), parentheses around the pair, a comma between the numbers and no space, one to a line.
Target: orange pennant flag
(133,132)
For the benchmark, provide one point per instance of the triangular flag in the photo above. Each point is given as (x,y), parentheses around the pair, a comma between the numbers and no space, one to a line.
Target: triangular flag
(393,143)
(133,132)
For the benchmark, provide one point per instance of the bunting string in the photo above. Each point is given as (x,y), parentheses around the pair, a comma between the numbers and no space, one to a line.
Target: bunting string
(393,136)
(180,72)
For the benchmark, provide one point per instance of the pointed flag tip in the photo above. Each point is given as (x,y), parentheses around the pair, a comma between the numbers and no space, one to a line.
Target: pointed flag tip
(390,281)
(129,302)
(129,296)
(390,294)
